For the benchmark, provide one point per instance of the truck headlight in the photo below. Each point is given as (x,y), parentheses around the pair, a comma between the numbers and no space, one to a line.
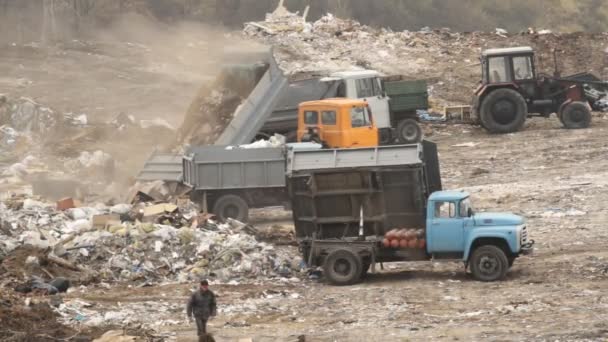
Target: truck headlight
(519,236)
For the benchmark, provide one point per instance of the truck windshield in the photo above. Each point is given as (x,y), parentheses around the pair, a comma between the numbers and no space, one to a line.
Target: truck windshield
(360,117)
(464,207)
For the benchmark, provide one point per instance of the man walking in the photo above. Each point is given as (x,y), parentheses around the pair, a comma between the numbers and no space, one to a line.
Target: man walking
(202,306)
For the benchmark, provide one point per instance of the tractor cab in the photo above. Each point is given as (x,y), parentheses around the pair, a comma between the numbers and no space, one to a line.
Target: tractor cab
(509,65)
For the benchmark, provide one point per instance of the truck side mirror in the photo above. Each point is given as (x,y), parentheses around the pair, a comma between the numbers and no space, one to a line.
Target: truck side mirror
(470,212)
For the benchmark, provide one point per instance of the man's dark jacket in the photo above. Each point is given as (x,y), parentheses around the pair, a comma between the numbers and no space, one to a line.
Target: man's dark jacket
(202,304)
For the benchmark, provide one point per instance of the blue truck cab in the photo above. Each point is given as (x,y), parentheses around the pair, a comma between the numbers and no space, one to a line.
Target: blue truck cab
(487,242)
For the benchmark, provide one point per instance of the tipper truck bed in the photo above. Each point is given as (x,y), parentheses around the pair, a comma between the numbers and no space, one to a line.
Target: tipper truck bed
(229,182)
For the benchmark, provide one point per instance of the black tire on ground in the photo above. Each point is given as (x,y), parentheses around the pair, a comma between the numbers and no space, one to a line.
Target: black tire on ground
(61,284)
(503,111)
(575,115)
(342,267)
(231,206)
(489,263)
(409,132)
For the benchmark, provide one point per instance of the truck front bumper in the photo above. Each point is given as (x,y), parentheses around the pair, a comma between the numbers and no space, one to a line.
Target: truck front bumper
(528,248)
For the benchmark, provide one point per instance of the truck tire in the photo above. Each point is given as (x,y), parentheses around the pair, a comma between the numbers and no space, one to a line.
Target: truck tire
(231,206)
(342,267)
(503,111)
(575,115)
(409,132)
(489,263)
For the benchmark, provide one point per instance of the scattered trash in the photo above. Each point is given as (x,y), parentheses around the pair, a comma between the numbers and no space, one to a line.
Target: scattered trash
(65,204)
(468,144)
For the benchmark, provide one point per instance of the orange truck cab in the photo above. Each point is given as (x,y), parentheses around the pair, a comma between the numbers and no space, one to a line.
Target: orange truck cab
(337,123)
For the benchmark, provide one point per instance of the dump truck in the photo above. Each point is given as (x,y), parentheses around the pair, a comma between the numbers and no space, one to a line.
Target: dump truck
(393,101)
(512,89)
(346,203)
(230,180)
(272,100)
(337,123)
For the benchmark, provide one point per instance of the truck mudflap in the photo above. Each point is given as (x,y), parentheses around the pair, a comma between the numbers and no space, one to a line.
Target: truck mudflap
(528,248)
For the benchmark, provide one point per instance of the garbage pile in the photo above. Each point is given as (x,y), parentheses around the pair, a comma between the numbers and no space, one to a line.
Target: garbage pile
(32,319)
(143,242)
(448,60)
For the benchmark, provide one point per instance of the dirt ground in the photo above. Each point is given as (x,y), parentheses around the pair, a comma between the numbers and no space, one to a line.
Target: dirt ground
(556,178)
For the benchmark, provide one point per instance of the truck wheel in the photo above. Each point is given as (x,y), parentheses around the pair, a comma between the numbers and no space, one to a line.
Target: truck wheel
(503,111)
(489,263)
(342,267)
(231,206)
(575,115)
(409,132)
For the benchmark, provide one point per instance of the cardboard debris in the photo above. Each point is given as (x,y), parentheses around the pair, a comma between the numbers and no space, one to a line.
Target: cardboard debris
(104,221)
(159,209)
(65,204)
(115,336)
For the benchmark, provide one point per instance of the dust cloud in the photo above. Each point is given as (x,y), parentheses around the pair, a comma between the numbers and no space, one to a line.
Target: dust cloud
(135,67)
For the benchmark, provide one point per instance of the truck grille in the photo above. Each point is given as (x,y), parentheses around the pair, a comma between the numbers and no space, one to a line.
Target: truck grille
(524,235)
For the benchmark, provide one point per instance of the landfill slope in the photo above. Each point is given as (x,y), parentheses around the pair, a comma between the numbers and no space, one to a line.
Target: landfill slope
(448,59)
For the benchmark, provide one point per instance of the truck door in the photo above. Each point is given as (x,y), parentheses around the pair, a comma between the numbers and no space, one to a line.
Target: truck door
(362,132)
(447,229)
(330,133)
(370,90)
(306,120)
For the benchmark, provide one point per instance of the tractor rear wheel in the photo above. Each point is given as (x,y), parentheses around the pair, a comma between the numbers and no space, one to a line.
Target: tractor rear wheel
(575,115)
(503,111)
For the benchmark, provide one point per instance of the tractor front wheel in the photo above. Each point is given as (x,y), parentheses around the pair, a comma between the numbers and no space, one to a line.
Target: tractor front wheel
(503,111)
(575,115)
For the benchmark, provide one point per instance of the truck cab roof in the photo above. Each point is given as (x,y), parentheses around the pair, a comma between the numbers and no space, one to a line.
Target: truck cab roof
(334,102)
(521,50)
(448,196)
